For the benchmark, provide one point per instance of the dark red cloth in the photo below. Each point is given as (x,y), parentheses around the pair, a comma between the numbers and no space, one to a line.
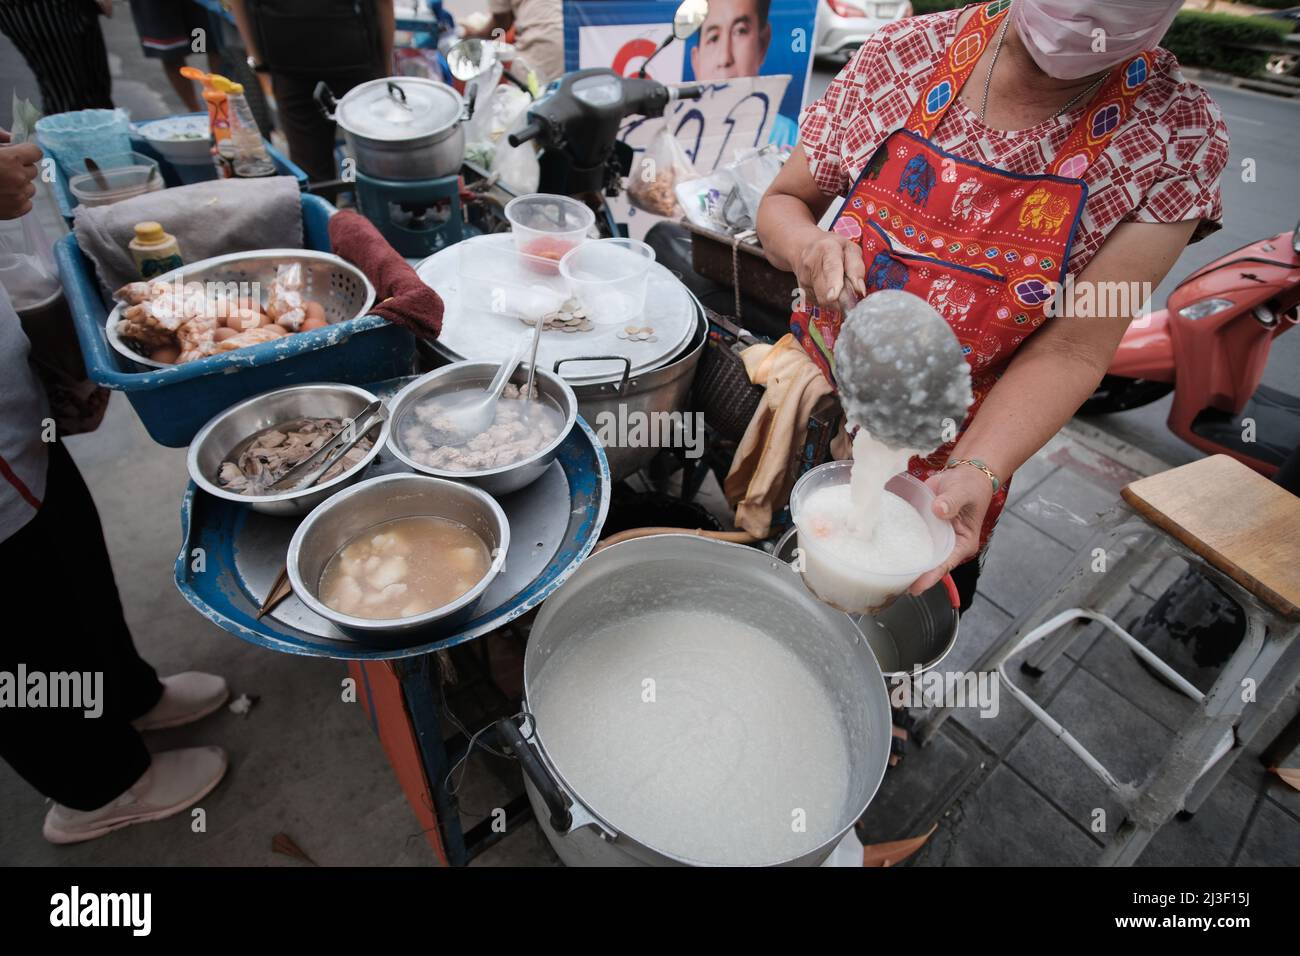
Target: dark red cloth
(400,295)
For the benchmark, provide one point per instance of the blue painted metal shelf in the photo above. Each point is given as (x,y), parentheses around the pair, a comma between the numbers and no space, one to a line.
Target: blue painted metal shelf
(555,523)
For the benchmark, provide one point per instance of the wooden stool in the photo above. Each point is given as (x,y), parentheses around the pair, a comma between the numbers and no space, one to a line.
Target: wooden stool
(1241,531)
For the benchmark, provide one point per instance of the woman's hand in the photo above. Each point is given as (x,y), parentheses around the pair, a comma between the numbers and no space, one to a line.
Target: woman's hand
(962,496)
(830,271)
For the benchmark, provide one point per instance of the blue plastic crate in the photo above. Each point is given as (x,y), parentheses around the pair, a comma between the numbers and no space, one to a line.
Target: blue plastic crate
(172,174)
(174,403)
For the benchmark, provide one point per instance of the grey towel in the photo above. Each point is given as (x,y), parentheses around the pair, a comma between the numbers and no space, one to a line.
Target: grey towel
(208,219)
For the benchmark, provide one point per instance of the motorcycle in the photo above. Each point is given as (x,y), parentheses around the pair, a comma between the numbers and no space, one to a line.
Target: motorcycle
(575,124)
(1209,346)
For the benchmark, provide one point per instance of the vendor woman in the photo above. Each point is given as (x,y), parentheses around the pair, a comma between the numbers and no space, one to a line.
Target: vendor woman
(985,154)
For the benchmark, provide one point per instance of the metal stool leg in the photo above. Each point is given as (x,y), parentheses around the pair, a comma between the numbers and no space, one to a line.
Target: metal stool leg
(1275,672)
(1112,586)
(1205,739)
(1076,586)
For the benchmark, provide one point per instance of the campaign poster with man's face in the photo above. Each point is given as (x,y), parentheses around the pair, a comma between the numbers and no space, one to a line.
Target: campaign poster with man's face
(738,38)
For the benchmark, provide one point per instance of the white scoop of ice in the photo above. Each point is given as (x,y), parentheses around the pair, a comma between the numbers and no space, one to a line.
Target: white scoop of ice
(900,371)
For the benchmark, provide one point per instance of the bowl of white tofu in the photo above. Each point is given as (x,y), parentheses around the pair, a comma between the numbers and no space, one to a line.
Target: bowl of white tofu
(364,511)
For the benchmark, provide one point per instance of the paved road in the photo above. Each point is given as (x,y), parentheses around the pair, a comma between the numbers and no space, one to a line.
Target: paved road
(1265,129)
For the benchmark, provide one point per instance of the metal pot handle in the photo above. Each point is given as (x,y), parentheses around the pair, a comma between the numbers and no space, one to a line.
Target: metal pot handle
(324,98)
(554,797)
(397,94)
(627,366)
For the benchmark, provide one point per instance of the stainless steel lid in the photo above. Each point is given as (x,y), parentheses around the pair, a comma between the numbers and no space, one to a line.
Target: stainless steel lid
(396,109)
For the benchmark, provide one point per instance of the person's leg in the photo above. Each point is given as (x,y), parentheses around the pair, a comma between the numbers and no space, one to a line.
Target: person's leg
(64,47)
(60,566)
(171,67)
(311,136)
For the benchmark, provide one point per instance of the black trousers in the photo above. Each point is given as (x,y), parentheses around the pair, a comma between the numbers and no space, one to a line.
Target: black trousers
(57,566)
(310,134)
(64,46)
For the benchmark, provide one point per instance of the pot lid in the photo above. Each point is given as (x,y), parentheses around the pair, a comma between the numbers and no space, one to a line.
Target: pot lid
(475,332)
(398,108)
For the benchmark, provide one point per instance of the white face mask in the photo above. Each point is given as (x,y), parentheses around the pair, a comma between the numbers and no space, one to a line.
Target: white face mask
(1070,39)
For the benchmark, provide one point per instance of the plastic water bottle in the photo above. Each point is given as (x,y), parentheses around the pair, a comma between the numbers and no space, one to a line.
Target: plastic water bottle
(251,157)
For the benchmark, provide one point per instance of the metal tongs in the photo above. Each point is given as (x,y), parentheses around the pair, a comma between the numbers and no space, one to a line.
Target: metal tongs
(309,471)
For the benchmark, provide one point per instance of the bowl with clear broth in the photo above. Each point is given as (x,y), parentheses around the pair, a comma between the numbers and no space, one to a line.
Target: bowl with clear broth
(396,558)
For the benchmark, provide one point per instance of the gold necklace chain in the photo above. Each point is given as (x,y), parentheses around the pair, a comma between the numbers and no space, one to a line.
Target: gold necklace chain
(988,78)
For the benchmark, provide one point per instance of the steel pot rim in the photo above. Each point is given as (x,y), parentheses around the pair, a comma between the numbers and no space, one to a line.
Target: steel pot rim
(587,815)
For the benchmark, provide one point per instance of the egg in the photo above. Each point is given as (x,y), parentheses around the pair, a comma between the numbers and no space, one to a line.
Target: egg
(220,335)
(310,324)
(167,353)
(276,330)
(314,310)
(244,319)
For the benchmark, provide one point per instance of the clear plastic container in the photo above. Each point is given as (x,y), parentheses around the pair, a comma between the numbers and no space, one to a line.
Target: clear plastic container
(609,278)
(857,589)
(546,226)
(122,178)
(495,277)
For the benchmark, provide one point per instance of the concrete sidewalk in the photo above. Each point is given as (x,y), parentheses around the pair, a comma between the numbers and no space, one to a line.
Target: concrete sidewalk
(1004,791)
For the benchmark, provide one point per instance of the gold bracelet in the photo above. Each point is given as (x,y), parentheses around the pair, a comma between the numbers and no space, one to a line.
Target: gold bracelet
(978,464)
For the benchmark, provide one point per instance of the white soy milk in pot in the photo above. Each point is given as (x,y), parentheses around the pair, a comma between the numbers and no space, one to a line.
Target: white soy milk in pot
(738,758)
(903,380)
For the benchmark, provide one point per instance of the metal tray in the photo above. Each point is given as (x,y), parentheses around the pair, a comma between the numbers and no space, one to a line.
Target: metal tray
(231,556)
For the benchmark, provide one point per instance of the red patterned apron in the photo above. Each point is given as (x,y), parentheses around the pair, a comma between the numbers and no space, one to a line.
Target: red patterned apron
(986,248)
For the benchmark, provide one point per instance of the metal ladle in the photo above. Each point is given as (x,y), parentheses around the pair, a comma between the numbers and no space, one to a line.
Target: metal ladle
(901,372)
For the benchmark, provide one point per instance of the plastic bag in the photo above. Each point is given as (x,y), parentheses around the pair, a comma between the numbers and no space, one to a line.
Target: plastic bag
(517,166)
(654,178)
(754,171)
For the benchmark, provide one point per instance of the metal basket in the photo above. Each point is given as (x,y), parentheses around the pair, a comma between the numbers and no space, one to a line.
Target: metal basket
(340,287)
(723,391)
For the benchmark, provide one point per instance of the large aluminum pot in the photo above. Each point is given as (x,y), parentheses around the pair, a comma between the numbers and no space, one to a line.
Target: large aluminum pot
(685,571)
(458,375)
(400,127)
(664,389)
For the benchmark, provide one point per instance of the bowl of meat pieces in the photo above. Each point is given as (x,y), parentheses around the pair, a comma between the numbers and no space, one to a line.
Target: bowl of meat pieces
(247,448)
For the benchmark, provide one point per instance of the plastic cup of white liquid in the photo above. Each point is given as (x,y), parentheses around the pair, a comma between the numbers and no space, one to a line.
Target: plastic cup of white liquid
(860,588)
(609,277)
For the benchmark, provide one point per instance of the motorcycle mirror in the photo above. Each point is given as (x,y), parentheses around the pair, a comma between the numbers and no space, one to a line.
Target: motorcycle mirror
(470,58)
(689,18)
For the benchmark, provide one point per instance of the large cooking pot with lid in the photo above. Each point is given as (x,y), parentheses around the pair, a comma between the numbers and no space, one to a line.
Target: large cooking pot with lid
(597,609)
(403,128)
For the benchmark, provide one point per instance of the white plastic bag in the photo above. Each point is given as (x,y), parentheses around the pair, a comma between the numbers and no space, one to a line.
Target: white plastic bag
(656,174)
(518,166)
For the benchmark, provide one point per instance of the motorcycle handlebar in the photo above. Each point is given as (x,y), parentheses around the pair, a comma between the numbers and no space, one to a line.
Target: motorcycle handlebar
(530,131)
(691,91)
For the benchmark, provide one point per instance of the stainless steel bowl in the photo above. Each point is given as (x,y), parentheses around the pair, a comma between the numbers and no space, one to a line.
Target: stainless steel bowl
(219,437)
(458,375)
(342,289)
(331,526)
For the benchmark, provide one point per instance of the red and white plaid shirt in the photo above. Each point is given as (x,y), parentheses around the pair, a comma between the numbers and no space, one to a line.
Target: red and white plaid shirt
(1162,166)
